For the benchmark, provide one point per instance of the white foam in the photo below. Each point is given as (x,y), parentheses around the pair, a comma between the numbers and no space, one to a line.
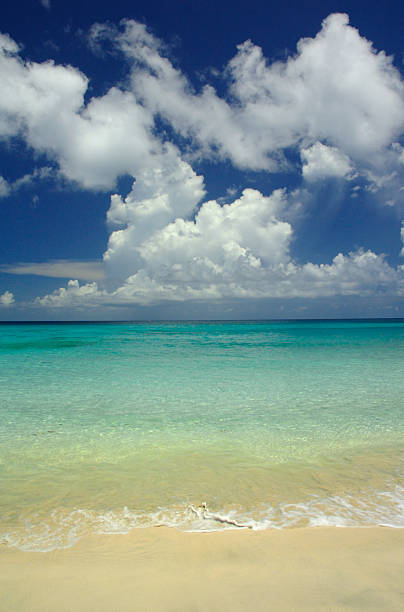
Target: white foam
(63,528)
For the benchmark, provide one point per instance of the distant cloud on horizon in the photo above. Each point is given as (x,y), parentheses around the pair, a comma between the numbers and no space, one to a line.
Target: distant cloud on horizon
(6,299)
(61,268)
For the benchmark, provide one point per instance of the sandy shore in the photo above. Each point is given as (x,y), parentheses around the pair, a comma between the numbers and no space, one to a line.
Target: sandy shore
(163,569)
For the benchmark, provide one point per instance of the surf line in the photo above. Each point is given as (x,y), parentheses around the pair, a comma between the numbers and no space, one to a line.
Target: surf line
(202,512)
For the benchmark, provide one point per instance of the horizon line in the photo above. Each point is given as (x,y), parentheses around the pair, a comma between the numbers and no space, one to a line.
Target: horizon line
(277,319)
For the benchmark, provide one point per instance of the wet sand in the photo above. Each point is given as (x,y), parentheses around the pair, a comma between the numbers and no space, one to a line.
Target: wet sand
(162,569)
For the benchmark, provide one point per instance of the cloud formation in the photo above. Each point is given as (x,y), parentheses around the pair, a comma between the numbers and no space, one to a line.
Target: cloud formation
(321,161)
(337,105)
(44,103)
(4,187)
(159,196)
(336,90)
(62,268)
(239,250)
(6,299)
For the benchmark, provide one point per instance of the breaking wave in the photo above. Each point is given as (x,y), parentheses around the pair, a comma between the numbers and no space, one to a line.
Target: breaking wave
(63,528)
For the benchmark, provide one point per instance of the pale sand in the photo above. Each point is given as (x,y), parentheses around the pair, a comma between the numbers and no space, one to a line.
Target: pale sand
(162,569)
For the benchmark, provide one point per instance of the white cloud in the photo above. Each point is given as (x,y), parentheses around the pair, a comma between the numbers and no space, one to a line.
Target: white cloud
(337,101)
(6,299)
(239,250)
(4,187)
(159,196)
(362,273)
(74,296)
(92,144)
(8,188)
(320,161)
(81,270)
(46,4)
(223,243)
(336,89)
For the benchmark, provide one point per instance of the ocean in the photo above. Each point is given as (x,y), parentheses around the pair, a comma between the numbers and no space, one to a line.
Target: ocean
(202,426)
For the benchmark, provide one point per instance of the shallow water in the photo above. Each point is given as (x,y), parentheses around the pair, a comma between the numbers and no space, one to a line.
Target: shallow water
(107,427)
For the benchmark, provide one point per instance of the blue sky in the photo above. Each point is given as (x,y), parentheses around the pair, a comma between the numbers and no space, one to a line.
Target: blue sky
(201,160)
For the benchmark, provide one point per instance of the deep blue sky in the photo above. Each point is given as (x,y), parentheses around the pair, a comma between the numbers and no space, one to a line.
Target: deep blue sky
(342,190)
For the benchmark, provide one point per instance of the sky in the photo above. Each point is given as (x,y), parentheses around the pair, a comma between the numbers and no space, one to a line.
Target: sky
(193,159)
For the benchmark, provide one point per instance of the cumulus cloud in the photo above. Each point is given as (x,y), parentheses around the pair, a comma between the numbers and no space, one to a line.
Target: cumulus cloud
(337,89)
(163,253)
(239,250)
(223,243)
(6,299)
(337,102)
(362,273)
(73,296)
(321,161)
(44,103)
(159,196)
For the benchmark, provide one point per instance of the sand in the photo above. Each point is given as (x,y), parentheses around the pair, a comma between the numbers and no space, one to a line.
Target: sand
(163,569)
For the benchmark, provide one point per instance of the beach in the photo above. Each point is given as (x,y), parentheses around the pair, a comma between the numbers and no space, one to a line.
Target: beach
(202,307)
(202,466)
(163,569)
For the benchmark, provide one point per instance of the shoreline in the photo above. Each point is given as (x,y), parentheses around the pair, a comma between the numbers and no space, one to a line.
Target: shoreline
(163,569)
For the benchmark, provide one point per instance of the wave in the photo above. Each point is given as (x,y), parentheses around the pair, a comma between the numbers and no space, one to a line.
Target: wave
(63,528)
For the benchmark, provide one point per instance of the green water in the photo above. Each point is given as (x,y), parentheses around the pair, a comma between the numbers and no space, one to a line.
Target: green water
(109,427)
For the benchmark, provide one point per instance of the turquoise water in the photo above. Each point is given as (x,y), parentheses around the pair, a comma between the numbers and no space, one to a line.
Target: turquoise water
(109,427)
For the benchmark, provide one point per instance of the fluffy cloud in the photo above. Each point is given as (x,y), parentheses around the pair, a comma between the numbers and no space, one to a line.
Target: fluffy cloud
(337,102)
(362,273)
(239,250)
(6,299)
(163,253)
(160,195)
(335,90)
(73,296)
(223,243)
(320,161)
(92,144)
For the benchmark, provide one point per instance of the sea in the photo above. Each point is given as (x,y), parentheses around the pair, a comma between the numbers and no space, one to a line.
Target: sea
(200,426)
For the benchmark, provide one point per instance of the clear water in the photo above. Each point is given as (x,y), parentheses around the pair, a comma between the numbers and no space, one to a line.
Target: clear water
(109,427)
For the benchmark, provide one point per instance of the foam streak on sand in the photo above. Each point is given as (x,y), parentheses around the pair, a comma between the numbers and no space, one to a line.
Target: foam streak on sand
(63,528)
(166,570)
